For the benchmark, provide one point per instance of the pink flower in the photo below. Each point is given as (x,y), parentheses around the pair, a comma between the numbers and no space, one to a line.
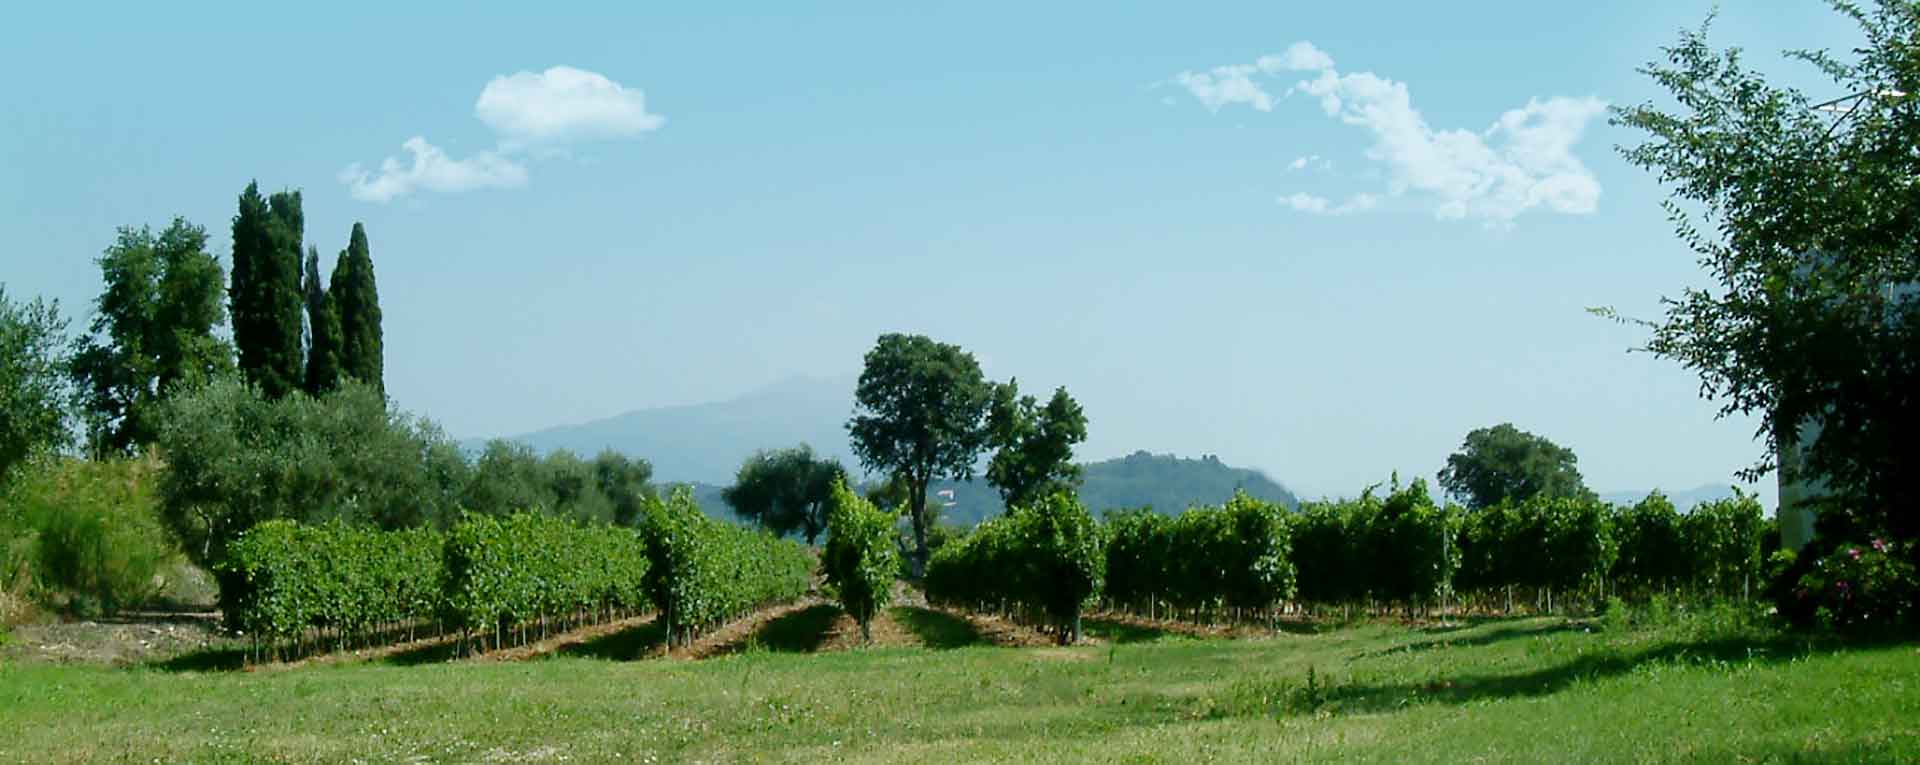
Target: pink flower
(1880,545)
(1854,551)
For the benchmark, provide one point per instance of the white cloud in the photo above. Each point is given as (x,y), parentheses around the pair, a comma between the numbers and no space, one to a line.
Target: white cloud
(530,114)
(1300,57)
(1225,85)
(1310,160)
(1523,162)
(561,104)
(432,170)
(1318,205)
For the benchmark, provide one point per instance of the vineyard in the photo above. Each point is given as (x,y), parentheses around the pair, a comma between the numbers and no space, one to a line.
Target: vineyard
(499,581)
(1250,561)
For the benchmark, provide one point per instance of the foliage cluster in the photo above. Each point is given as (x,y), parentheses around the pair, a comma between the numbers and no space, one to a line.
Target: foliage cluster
(786,490)
(1503,463)
(1235,556)
(282,580)
(1869,587)
(504,573)
(1047,558)
(83,536)
(1033,444)
(860,560)
(703,572)
(1802,209)
(32,381)
(236,458)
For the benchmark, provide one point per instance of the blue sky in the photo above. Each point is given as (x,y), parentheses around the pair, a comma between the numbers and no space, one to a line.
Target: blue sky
(624,207)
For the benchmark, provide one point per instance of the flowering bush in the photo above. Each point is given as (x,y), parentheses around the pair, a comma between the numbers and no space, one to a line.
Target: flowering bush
(1854,587)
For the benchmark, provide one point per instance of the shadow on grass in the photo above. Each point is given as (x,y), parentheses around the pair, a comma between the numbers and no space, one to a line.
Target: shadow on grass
(1495,635)
(1125,632)
(204,660)
(626,645)
(1330,694)
(938,630)
(802,631)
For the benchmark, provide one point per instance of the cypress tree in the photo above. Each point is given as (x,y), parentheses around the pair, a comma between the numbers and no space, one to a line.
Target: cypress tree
(267,306)
(323,323)
(356,301)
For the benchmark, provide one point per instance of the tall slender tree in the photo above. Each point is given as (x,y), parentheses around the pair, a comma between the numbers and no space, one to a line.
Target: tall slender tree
(356,300)
(267,304)
(323,332)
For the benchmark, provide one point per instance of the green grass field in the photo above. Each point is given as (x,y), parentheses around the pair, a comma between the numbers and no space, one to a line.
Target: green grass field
(1512,690)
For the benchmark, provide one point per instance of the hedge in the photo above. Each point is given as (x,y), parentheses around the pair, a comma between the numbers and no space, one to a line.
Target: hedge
(860,558)
(1048,558)
(703,572)
(508,573)
(283,581)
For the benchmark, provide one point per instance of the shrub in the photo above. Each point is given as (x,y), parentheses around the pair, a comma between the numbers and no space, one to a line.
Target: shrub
(860,560)
(504,573)
(85,535)
(282,580)
(1852,587)
(1049,557)
(702,572)
(1723,541)
(236,458)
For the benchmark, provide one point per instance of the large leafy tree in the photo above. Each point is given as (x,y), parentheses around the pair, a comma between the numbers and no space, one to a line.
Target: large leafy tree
(266,301)
(626,482)
(1805,212)
(920,411)
(153,328)
(786,490)
(1505,463)
(236,458)
(1033,445)
(356,300)
(33,413)
(323,332)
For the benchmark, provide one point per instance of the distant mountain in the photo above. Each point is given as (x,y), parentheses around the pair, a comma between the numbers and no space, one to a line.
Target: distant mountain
(1682,500)
(1167,483)
(704,444)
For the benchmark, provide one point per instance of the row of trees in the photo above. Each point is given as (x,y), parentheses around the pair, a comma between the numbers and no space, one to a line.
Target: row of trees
(500,579)
(158,320)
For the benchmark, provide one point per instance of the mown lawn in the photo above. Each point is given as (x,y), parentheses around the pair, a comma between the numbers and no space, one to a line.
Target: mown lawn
(1519,690)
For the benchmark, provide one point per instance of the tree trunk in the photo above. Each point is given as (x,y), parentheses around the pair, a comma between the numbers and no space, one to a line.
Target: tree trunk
(919,514)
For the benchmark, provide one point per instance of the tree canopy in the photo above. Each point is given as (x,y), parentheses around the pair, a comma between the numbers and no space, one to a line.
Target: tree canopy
(1033,445)
(786,490)
(267,304)
(154,326)
(1805,212)
(33,413)
(920,411)
(356,300)
(323,332)
(1503,463)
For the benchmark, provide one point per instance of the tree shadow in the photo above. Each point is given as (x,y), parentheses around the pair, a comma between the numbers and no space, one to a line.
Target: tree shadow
(938,630)
(1597,665)
(204,660)
(625,645)
(1117,631)
(801,631)
(1498,634)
